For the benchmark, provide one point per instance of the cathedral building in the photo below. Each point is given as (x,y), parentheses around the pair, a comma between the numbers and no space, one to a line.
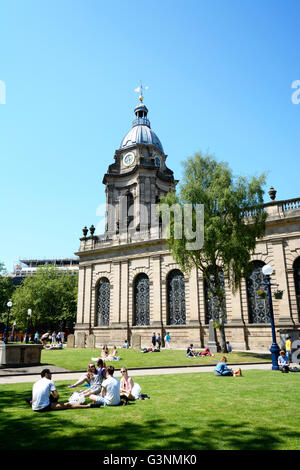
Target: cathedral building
(129,284)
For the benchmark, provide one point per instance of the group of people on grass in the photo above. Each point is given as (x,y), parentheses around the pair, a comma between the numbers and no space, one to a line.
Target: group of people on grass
(110,356)
(56,339)
(103,390)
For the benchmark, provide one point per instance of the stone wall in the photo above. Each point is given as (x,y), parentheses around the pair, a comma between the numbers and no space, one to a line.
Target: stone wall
(121,263)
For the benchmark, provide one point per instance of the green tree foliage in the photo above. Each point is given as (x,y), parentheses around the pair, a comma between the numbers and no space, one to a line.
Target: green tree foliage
(6,289)
(50,294)
(230,234)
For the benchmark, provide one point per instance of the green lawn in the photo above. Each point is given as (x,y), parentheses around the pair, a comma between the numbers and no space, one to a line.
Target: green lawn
(259,411)
(78,359)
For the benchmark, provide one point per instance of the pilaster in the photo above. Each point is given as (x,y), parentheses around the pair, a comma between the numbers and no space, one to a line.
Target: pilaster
(279,265)
(156,318)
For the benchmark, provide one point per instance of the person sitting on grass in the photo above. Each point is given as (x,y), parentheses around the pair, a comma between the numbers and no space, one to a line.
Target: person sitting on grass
(190,352)
(221,369)
(126,384)
(113,355)
(45,396)
(93,378)
(206,352)
(110,390)
(283,362)
(101,369)
(104,354)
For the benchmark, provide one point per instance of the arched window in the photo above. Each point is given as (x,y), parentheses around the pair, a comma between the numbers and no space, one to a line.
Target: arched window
(259,309)
(141,300)
(103,302)
(176,298)
(296,268)
(212,308)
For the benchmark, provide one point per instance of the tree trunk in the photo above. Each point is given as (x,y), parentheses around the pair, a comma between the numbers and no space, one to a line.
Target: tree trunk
(223,337)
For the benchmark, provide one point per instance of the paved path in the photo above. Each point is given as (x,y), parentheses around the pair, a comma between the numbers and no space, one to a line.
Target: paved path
(32,374)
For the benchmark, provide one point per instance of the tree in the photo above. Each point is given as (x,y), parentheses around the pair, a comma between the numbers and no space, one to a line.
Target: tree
(6,289)
(50,294)
(229,235)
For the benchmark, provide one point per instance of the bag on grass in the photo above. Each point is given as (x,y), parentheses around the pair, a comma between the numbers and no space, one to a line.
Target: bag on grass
(136,390)
(77,398)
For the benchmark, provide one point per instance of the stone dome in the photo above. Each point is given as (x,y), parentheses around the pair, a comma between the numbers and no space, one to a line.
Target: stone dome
(141,132)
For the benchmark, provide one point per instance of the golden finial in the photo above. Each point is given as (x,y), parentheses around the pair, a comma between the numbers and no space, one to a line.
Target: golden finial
(140,90)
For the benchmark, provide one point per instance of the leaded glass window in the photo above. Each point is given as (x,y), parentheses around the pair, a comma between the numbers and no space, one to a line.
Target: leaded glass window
(176,298)
(297,283)
(103,302)
(141,300)
(259,309)
(214,311)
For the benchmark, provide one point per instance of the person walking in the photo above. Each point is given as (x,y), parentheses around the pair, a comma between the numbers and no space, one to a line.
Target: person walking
(167,340)
(158,341)
(153,340)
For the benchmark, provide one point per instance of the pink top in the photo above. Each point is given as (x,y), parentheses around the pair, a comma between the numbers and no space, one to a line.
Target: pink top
(126,384)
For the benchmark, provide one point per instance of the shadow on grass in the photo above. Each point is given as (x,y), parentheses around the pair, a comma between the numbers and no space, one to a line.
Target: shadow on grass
(115,429)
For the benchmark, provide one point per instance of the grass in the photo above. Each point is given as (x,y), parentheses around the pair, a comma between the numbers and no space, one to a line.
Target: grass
(259,411)
(78,359)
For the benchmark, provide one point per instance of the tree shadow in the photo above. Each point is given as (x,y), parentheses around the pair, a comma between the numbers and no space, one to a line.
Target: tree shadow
(115,429)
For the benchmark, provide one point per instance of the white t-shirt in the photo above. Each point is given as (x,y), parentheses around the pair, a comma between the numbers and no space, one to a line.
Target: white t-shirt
(112,391)
(41,393)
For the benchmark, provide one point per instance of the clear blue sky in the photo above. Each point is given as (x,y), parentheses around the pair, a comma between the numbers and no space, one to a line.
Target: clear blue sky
(219,76)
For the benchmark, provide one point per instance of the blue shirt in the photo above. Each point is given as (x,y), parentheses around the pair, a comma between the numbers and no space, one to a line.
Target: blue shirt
(221,367)
(282,361)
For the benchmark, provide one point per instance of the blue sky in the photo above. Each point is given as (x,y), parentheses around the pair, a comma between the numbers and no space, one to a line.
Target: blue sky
(220,77)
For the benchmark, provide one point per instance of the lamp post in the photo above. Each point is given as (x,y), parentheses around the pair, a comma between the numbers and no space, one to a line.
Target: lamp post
(267,271)
(27,327)
(13,331)
(9,305)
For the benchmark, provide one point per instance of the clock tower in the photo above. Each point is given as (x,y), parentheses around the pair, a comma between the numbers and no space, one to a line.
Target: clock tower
(136,180)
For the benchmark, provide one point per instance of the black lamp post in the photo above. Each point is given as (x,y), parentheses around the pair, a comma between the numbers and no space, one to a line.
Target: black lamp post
(5,339)
(27,327)
(267,271)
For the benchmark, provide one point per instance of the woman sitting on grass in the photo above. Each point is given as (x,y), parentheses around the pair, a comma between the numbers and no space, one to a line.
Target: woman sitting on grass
(101,368)
(113,355)
(126,384)
(206,352)
(93,378)
(128,389)
(221,369)
(104,352)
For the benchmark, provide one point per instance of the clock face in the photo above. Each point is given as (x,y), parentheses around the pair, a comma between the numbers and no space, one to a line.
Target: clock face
(128,159)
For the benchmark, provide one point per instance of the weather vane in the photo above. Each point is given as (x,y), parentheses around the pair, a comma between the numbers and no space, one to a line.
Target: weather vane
(140,90)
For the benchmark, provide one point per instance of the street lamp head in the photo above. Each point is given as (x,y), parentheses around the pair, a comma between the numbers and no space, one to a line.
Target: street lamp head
(267,270)
(29,311)
(9,304)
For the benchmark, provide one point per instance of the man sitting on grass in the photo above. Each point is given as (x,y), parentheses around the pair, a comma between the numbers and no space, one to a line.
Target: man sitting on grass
(190,352)
(45,396)
(110,390)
